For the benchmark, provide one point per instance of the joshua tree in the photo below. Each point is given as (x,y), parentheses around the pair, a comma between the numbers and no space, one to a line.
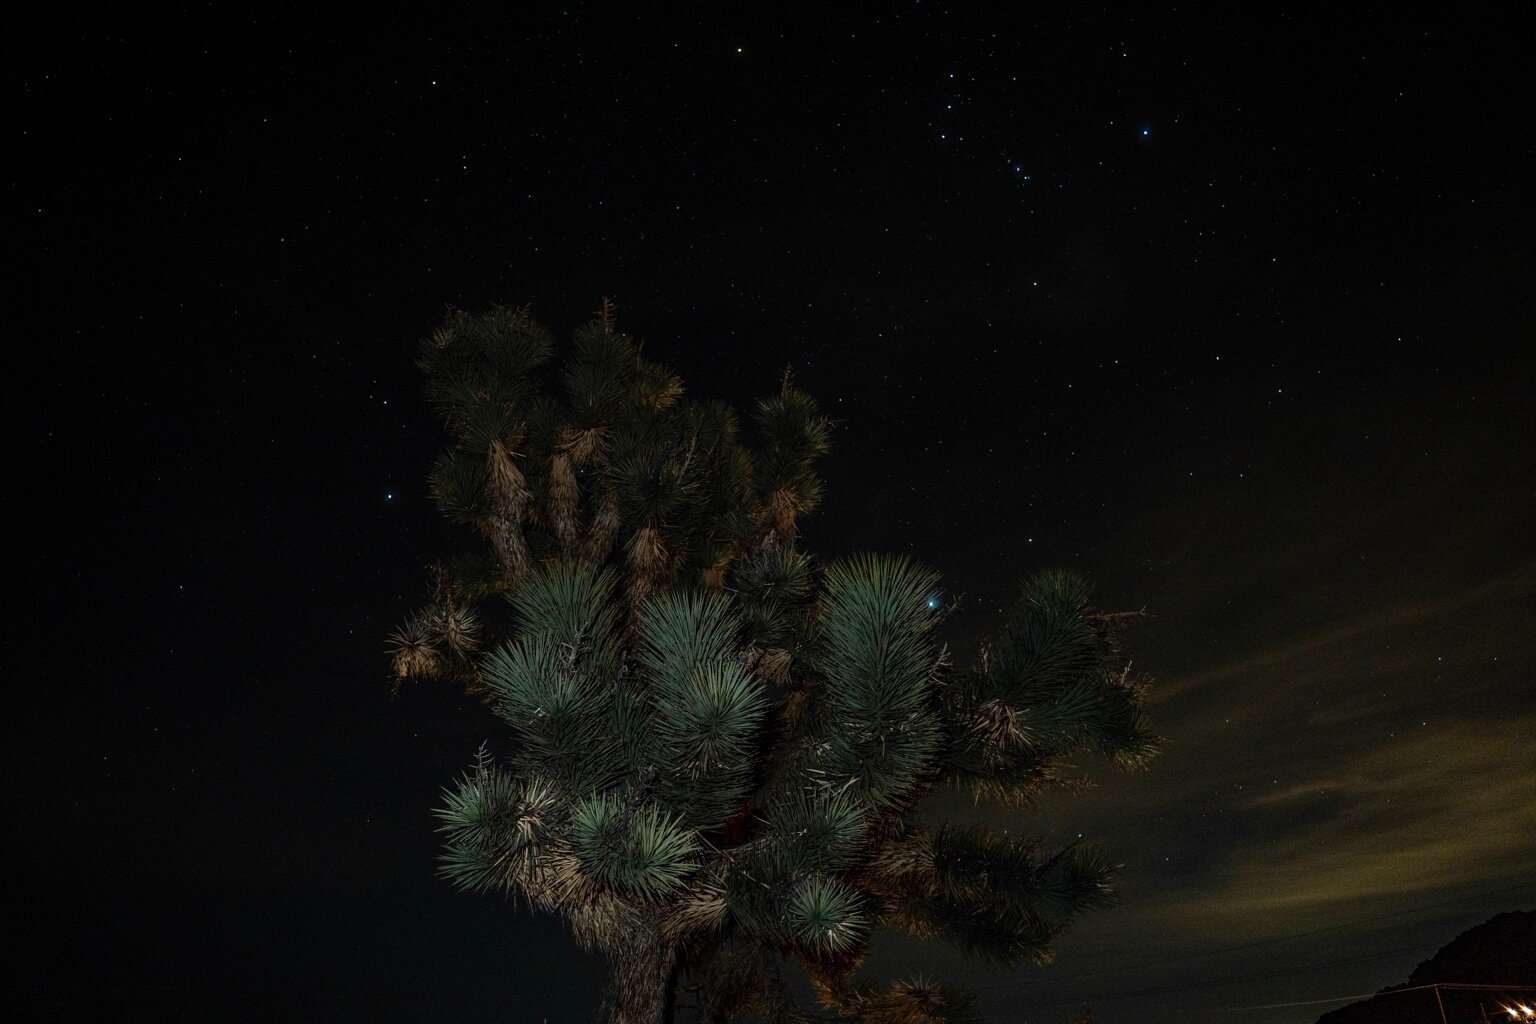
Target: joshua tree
(719,745)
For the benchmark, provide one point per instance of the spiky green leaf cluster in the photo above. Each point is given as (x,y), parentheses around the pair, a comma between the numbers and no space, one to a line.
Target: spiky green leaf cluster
(496,824)
(877,651)
(1051,686)
(599,459)
(817,830)
(708,707)
(826,916)
(638,851)
(998,897)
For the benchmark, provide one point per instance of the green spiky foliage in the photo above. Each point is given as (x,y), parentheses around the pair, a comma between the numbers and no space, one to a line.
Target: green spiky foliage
(717,745)
(599,461)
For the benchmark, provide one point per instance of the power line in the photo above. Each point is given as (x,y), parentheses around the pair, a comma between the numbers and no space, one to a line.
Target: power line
(1175,958)
(1181,957)
(1223,982)
(1459,986)
(1304,1002)
(1195,986)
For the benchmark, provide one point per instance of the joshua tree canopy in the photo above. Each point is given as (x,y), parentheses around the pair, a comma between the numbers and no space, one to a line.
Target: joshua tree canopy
(718,744)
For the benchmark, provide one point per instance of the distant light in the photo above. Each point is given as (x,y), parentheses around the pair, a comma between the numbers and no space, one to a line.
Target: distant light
(1146,133)
(933,603)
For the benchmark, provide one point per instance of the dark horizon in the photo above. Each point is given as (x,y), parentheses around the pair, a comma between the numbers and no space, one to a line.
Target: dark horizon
(1231,313)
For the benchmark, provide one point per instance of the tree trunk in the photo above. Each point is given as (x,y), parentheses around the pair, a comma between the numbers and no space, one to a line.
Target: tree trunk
(669,996)
(642,985)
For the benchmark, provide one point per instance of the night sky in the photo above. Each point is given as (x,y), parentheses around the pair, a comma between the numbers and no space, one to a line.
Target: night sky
(1232,313)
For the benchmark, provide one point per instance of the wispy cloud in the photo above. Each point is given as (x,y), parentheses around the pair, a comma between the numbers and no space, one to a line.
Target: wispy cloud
(1317,650)
(1432,811)
(1387,759)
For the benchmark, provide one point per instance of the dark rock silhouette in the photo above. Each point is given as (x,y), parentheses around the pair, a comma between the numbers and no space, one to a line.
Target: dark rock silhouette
(1500,951)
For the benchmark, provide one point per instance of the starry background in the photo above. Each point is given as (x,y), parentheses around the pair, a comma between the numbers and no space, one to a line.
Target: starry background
(1230,311)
